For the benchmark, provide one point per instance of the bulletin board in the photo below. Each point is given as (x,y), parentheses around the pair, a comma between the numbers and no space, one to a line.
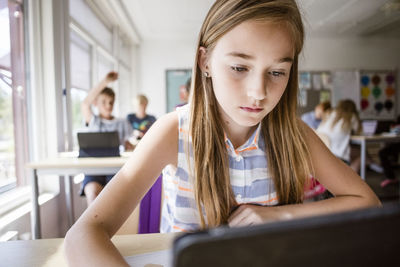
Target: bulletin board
(314,88)
(378,95)
(175,80)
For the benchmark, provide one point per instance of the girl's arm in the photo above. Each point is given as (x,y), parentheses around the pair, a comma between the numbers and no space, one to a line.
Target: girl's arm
(350,191)
(88,242)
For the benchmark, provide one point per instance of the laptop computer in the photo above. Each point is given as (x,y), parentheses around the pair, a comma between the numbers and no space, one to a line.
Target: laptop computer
(368,237)
(369,127)
(98,144)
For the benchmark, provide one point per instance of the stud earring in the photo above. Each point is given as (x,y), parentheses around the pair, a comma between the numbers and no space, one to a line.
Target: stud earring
(206,74)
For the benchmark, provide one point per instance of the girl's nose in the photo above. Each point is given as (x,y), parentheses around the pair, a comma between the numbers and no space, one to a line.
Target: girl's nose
(257,87)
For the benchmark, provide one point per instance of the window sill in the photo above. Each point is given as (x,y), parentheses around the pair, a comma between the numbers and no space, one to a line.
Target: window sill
(12,199)
(16,203)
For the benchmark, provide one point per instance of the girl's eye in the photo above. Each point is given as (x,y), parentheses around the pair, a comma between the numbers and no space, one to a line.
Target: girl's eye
(238,69)
(277,73)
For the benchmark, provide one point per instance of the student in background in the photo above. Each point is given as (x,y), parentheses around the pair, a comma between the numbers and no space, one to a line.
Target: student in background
(387,155)
(313,118)
(338,127)
(236,154)
(184,93)
(140,121)
(103,98)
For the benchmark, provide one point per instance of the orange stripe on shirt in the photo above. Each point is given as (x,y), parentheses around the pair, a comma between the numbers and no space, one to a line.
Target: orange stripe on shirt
(246,149)
(266,201)
(185,189)
(178,228)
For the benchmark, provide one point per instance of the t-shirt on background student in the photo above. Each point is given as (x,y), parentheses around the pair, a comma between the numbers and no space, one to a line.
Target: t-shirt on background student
(338,127)
(99,124)
(140,121)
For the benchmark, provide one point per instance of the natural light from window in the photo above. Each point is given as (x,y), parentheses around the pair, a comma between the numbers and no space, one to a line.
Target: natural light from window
(7,148)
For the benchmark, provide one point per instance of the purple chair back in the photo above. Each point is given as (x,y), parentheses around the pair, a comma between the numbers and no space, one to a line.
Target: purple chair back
(150,207)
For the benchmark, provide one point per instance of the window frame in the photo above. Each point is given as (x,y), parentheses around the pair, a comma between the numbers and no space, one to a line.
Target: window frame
(19,95)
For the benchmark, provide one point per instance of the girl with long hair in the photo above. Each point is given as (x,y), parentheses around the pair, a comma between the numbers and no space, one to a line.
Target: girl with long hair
(236,154)
(338,127)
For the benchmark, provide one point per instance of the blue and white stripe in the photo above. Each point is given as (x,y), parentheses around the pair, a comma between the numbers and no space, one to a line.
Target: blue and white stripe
(250,180)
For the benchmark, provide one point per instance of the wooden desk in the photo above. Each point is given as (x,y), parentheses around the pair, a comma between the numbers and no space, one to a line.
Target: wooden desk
(363,140)
(49,252)
(68,166)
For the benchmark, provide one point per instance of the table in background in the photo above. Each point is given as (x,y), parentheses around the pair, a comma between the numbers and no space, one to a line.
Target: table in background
(49,252)
(68,166)
(363,140)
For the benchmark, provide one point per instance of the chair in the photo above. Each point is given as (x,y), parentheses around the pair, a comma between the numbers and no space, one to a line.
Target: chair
(150,207)
(145,218)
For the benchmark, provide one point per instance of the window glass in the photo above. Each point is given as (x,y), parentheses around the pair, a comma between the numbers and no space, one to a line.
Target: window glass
(125,98)
(82,13)
(7,147)
(80,62)
(124,53)
(5,38)
(77,96)
(104,66)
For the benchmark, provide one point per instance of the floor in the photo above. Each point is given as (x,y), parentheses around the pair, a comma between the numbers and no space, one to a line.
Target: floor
(388,194)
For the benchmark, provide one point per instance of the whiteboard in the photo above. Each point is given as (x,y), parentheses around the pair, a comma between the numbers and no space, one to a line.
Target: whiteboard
(346,85)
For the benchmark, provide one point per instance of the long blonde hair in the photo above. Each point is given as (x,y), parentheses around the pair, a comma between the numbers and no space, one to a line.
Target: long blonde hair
(346,110)
(286,151)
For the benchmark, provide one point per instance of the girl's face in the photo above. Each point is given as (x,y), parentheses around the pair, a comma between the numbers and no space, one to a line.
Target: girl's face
(249,68)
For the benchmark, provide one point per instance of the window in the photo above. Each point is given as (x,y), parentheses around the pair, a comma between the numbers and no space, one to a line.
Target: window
(92,56)
(83,15)
(80,54)
(13,152)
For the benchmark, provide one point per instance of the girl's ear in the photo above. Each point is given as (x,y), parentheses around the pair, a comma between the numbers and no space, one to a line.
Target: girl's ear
(202,60)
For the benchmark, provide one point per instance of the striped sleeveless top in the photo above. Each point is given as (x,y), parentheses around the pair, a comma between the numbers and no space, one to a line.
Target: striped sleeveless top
(249,177)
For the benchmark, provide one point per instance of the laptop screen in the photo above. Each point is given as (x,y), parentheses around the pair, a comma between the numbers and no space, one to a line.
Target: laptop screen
(369,126)
(359,238)
(98,144)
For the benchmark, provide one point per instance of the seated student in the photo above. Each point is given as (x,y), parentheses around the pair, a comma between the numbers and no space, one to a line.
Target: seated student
(338,127)
(388,154)
(103,98)
(140,121)
(237,154)
(313,118)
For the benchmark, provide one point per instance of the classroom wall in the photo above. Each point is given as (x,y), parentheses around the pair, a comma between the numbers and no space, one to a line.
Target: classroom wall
(353,53)
(155,57)
(319,54)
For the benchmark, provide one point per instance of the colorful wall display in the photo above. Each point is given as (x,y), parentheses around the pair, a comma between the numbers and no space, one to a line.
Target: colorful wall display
(377,95)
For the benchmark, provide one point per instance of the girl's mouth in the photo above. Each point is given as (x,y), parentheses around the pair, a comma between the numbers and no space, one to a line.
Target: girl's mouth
(254,110)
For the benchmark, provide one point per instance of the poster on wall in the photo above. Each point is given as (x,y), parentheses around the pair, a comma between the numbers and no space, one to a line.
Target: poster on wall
(176,83)
(304,80)
(378,95)
(317,81)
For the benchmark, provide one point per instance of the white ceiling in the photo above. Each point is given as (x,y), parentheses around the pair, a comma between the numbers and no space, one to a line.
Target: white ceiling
(181,19)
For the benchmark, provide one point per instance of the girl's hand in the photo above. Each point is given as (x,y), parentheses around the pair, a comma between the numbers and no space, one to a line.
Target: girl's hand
(249,214)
